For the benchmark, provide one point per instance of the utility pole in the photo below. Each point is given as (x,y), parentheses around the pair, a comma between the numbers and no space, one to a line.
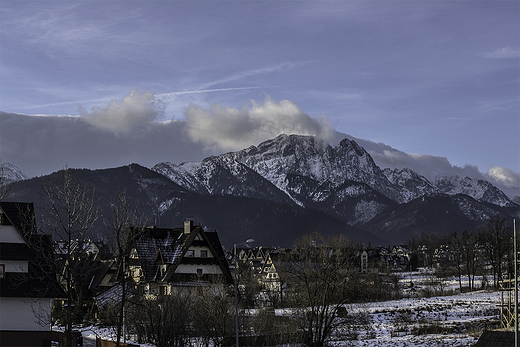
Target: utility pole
(236,289)
(516,283)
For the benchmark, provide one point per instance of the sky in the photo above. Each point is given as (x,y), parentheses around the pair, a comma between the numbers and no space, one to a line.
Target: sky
(430,85)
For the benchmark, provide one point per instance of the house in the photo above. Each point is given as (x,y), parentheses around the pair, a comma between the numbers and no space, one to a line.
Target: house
(27,285)
(271,280)
(164,258)
(264,265)
(85,249)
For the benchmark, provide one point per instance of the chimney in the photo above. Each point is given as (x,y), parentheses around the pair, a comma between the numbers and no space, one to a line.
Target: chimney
(188,225)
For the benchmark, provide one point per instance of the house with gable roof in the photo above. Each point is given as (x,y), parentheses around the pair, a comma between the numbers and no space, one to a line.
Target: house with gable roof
(164,258)
(27,284)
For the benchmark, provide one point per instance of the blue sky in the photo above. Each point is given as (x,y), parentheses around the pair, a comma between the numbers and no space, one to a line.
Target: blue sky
(438,78)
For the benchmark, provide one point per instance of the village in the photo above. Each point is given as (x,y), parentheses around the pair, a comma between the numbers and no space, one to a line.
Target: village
(169,286)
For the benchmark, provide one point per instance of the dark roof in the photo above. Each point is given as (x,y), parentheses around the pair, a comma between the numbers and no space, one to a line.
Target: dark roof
(20,215)
(113,295)
(40,280)
(169,242)
(30,285)
(217,246)
(496,339)
(16,251)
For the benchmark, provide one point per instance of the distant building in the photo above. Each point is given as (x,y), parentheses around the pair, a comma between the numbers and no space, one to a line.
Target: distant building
(27,285)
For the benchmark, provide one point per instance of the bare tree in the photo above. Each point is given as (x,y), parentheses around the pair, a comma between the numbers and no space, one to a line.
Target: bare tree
(163,320)
(471,256)
(496,240)
(125,226)
(323,279)
(457,246)
(214,314)
(69,211)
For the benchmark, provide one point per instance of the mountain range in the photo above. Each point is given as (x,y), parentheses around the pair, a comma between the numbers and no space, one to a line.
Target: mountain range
(292,185)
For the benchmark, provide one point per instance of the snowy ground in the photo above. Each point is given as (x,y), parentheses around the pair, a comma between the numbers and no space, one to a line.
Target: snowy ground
(454,320)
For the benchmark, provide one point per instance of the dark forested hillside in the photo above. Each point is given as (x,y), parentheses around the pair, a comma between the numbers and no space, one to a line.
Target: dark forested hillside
(167,204)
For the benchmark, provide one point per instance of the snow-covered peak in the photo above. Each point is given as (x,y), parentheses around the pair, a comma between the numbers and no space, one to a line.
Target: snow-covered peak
(10,173)
(412,185)
(478,189)
(311,157)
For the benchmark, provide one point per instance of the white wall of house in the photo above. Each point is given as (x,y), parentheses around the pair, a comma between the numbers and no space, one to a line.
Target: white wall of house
(192,269)
(212,269)
(21,314)
(8,234)
(199,249)
(15,265)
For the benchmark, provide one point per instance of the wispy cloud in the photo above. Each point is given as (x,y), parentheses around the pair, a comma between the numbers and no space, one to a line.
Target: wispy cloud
(255,72)
(508,52)
(164,97)
(167,96)
(64,103)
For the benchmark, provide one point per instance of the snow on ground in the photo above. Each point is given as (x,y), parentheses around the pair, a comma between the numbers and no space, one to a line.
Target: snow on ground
(454,320)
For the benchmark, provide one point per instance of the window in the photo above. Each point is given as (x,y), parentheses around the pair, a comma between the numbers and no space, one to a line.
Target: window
(2,271)
(190,253)
(164,290)
(203,254)
(199,272)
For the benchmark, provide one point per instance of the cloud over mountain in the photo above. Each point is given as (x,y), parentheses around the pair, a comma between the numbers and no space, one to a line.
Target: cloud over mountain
(131,112)
(229,128)
(431,166)
(504,176)
(127,130)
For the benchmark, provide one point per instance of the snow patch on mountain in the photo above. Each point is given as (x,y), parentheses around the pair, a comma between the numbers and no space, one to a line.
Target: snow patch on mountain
(471,210)
(366,210)
(10,173)
(478,189)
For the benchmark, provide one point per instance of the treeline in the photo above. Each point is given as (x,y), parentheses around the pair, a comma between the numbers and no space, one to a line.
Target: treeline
(486,251)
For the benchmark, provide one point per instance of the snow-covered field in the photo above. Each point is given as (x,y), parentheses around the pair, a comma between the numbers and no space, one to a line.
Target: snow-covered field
(454,320)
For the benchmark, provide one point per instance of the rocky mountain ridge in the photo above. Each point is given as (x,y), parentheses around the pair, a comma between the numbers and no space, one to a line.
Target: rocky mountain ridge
(343,181)
(291,185)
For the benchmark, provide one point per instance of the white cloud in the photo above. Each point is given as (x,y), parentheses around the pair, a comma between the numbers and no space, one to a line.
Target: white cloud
(504,176)
(121,117)
(229,128)
(503,53)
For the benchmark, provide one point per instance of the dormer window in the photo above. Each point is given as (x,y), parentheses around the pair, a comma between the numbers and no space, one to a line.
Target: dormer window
(162,270)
